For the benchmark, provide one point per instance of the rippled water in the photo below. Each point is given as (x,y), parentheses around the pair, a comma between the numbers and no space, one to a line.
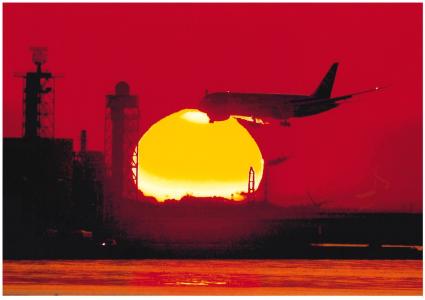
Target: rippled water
(213,277)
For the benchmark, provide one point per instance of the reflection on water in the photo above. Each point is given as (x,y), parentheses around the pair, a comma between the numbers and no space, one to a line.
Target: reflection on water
(196,282)
(213,277)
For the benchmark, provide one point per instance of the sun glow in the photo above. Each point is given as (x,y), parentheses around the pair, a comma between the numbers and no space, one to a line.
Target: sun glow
(196,116)
(185,154)
(250,119)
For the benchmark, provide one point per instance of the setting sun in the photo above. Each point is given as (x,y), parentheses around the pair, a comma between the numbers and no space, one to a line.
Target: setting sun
(185,154)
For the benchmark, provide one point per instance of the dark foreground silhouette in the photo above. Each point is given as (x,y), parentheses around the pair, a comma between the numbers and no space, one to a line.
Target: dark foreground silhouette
(220,229)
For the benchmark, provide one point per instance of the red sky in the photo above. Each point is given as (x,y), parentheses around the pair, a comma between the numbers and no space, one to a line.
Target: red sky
(366,154)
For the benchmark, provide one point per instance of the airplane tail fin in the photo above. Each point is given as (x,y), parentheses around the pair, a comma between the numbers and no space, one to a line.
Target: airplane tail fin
(325,88)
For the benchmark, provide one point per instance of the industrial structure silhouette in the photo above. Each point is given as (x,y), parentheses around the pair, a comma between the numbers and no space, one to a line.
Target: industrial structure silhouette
(67,203)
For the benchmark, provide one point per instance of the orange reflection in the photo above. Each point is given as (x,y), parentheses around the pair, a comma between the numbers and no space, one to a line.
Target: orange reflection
(184,154)
(213,277)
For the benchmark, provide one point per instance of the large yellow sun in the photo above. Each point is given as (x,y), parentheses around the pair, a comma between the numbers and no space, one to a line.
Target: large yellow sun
(184,154)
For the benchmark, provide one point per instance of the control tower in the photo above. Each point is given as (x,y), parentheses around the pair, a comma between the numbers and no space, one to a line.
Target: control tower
(121,149)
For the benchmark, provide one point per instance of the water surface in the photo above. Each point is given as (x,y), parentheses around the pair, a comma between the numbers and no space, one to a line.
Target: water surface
(212,277)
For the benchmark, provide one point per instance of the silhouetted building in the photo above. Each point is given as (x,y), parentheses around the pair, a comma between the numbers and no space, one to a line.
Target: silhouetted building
(36,189)
(37,170)
(121,150)
(87,187)
(39,99)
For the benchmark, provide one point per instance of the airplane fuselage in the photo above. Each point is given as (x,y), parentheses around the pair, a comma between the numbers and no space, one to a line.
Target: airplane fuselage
(222,105)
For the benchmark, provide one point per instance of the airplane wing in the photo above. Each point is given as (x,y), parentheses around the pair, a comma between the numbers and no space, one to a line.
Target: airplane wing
(335,99)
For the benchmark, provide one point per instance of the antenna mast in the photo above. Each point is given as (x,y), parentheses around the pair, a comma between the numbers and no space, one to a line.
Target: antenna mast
(251,183)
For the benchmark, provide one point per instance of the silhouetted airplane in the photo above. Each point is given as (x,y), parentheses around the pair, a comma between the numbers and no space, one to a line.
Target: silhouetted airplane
(221,105)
